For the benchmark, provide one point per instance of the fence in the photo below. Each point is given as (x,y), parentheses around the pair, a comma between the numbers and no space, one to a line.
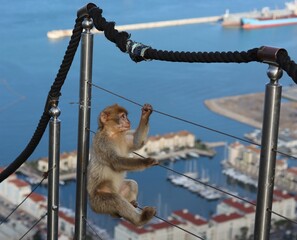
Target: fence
(89,16)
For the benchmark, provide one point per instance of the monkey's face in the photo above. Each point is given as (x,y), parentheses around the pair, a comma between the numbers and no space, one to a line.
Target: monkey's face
(122,122)
(114,119)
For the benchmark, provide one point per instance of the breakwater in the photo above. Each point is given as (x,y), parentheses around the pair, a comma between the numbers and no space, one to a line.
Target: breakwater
(56,34)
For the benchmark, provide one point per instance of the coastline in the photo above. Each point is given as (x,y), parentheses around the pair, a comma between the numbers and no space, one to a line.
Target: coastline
(220,106)
(248,109)
(35,176)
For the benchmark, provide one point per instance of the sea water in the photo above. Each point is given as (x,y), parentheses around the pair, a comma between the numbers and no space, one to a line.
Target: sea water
(29,63)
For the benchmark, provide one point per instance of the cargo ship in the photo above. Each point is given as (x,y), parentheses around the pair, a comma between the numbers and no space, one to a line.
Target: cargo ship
(252,23)
(263,18)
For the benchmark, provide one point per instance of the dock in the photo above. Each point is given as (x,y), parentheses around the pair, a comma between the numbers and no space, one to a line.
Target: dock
(215,144)
(57,34)
(186,153)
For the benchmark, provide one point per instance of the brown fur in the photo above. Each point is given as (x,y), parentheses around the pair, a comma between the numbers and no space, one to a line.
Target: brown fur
(109,191)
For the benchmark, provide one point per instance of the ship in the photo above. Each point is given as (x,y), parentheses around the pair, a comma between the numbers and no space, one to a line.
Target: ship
(263,18)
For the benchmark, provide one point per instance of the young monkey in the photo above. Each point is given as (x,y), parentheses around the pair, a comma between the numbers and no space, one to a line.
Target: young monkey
(109,191)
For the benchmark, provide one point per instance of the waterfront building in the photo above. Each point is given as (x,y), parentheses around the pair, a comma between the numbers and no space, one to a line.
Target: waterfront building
(226,226)
(246,159)
(34,205)
(168,142)
(155,231)
(234,219)
(66,223)
(195,223)
(68,162)
(13,191)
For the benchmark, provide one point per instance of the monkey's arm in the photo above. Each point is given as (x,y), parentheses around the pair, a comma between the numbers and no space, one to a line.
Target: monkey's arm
(140,135)
(119,163)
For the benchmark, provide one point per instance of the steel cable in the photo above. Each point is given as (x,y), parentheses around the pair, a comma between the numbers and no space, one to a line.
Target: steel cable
(210,129)
(42,217)
(45,175)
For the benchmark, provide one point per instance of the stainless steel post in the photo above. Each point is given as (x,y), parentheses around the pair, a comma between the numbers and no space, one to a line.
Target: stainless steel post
(83,126)
(53,177)
(268,154)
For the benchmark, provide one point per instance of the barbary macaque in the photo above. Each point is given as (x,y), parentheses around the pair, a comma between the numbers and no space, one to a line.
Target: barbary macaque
(109,191)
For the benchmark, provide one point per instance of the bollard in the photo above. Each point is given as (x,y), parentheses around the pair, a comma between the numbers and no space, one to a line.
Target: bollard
(268,154)
(53,176)
(83,126)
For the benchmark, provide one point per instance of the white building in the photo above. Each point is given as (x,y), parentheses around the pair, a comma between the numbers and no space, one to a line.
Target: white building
(226,226)
(195,224)
(168,142)
(15,190)
(232,205)
(34,205)
(68,162)
(156,231)
(234,219)
(66,223)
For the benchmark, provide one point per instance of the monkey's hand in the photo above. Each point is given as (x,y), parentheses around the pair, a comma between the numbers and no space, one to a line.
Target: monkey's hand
(146,111)
(150,162)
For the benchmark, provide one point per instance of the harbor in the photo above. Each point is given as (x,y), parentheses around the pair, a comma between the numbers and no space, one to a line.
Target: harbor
(57,34)
(245,20)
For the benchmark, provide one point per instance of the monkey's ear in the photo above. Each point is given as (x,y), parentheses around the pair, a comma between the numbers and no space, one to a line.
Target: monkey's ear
(103,118)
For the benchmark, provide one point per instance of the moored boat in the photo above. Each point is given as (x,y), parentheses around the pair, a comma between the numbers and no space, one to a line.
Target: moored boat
(263,18)
(251,23)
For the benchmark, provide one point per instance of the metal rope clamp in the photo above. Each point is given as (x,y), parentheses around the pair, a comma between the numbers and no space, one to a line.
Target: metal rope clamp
(136,51)
(269,54)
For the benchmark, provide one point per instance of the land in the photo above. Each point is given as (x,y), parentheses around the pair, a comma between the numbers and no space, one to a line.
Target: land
(249,108)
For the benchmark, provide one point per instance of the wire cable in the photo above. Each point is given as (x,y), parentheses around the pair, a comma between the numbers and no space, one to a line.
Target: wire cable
(33,226)
(203,183)
(90,226)
(190,122)
(45,175)
(199,125)
(178,118)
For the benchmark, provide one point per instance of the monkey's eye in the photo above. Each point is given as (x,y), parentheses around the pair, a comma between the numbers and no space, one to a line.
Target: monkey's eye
(123,116)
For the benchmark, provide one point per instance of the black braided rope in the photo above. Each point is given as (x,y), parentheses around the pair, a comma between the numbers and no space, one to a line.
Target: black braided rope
(203,57)
(288,65)
(122,41)
(53,95)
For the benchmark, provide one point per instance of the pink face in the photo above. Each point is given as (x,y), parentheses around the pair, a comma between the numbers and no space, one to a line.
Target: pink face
(123,121)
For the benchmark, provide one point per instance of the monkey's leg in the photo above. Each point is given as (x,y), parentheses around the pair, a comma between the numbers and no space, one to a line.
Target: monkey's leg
(129,190)
(114,204)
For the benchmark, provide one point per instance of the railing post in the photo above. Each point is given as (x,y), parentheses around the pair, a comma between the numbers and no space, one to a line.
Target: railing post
(53,177)
(268,153)
(83,128)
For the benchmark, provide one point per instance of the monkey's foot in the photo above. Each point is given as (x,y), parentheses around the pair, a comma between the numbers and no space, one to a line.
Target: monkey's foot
(147,214)
(134,203)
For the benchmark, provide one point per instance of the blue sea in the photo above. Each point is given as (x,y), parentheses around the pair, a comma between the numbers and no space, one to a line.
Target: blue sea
(29,62)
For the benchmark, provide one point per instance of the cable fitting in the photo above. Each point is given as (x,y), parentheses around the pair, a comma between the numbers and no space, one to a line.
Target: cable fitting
(136,51)
(269,55)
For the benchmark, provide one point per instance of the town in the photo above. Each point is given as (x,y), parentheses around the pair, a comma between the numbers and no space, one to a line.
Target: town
(233,219)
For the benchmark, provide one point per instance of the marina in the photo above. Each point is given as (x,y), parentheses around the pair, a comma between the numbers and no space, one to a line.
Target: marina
(195,185)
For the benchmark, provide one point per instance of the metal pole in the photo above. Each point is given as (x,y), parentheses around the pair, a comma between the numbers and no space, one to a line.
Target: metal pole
(268,154)
(53,177)
(83,126)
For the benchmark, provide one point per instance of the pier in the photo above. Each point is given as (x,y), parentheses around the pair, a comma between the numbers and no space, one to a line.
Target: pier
(184,154)
(56,34)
